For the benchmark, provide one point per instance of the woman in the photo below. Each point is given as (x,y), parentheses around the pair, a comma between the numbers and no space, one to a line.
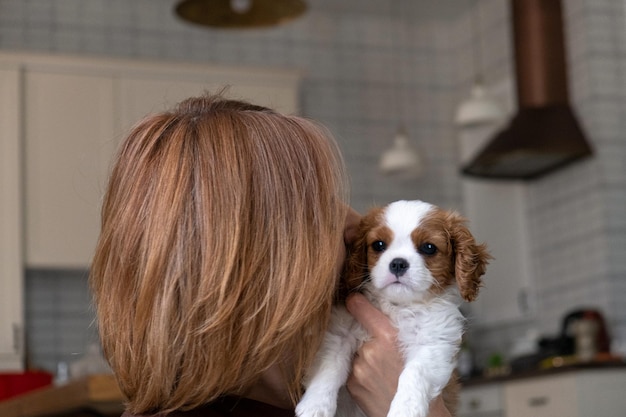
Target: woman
(221,244)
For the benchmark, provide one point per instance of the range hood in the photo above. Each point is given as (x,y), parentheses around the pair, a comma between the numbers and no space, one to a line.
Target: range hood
(544,134)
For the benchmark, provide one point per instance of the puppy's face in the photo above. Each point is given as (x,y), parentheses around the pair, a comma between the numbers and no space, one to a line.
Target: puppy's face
(411,251)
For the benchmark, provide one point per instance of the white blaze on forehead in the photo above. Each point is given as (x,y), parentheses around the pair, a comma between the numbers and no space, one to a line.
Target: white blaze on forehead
(402,217)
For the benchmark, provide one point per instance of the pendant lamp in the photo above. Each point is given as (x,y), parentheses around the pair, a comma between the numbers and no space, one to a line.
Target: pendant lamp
(480,107)
(401,158)
(239,14)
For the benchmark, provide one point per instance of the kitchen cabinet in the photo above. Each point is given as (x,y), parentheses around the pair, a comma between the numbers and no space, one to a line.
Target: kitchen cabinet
(157,89)
(496,215)
(69,132)
(586,390)
(590,393)
(75,111)
(496,211)
(11,272)
(481,401)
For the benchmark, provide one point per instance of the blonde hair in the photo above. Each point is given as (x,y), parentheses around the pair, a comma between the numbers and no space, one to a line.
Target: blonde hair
(221,226)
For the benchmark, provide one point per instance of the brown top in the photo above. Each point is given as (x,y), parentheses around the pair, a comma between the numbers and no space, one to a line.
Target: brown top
(227,407)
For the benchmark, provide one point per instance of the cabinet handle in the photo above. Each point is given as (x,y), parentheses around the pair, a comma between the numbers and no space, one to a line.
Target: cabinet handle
(474,404)
(523,302)
(17,338)
(538,401)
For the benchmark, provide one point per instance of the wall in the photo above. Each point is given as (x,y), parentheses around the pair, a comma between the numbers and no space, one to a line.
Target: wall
(576,217)
(367,66)
(360,58)
(59,317)
(578,221)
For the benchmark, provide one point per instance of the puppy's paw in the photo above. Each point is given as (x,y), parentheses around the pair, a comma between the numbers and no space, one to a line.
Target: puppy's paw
(313,413)
(409,406)
(316,406)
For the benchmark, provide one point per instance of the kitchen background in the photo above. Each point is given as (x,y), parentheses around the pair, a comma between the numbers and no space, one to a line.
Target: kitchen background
(358,58)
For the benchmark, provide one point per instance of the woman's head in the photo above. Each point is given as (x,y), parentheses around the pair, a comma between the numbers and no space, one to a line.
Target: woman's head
(221,226)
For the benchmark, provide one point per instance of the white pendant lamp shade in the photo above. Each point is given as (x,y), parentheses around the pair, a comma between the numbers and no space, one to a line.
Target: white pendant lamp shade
(401,158)
(479,108)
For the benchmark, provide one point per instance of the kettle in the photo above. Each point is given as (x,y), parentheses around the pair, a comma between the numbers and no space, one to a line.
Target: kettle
(568,331)
(565,343)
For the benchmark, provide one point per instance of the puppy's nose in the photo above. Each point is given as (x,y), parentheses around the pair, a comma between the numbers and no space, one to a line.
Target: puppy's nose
(398,266)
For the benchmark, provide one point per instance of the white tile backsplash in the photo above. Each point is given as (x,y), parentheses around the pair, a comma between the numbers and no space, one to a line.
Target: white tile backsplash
(59,317)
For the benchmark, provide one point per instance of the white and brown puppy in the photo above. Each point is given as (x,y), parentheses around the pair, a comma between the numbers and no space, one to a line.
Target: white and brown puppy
(415,262)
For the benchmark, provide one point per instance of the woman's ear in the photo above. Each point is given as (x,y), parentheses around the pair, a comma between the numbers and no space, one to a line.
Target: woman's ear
(470,258)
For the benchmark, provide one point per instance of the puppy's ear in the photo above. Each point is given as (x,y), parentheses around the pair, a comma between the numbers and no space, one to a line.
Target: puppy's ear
(355,270)
(470,258)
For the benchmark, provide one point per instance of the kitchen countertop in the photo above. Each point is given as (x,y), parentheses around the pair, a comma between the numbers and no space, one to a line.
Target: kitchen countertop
(97,394)
(100,394)
(539,372)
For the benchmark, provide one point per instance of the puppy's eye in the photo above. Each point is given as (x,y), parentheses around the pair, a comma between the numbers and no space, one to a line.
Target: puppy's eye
(379,246)
(427,249)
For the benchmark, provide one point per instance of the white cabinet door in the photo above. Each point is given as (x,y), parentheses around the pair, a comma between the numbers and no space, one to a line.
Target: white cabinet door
(542,397)
(11,273)
(587,393)
(496,217)
(481,401)
(152,92)
(69,137)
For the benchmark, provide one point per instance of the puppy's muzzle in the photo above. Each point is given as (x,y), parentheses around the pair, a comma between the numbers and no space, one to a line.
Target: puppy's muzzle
(398,266)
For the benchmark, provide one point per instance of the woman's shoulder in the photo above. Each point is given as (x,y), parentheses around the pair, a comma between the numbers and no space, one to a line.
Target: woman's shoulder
(227,407)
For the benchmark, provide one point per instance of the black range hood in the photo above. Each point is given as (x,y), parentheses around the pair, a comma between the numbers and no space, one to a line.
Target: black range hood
(544,134)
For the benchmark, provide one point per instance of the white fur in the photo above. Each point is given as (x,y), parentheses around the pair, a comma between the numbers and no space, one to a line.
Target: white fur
(429,330)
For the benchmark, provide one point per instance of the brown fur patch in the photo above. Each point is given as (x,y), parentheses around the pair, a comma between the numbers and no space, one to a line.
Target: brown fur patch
(356,267)
(433,230)
(462,258)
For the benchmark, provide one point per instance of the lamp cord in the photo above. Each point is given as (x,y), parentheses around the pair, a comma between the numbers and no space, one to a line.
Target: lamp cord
(477,41)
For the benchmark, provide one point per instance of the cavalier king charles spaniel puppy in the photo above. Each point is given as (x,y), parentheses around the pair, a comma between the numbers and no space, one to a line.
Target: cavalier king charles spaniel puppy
(417,263)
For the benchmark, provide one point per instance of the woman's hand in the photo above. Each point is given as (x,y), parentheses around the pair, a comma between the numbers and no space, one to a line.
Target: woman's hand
(378,363)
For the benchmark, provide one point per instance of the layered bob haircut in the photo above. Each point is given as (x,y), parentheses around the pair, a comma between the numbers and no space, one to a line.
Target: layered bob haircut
(221,226)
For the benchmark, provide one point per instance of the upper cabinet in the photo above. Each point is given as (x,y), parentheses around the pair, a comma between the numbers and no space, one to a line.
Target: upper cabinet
(69,128)
(74,113)
(11,243)
(157,88)
(496,215)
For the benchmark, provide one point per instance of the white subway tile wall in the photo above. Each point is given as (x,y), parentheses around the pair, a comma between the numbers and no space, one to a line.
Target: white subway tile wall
(577,216)
(360,59)
(59,317)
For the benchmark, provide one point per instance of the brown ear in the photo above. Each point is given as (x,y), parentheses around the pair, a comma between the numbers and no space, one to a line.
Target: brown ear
(470,260)
(355,270)
(355,267)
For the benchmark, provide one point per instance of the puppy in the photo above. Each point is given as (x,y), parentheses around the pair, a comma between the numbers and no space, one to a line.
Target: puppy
(416,263)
